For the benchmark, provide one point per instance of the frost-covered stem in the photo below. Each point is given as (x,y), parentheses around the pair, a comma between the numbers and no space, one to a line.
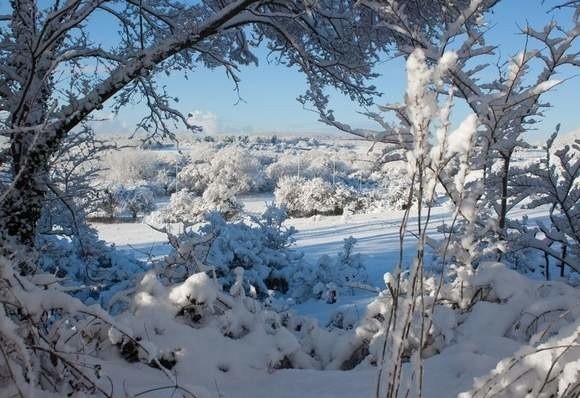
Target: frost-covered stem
(547,266)
(11,372)
(505,180)
(73,368)
(551,369)
(563,262)
(391,323)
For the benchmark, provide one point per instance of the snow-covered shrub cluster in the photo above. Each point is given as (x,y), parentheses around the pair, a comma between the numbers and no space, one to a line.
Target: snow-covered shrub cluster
(232,167)
(133,167)
(203,329)
(189,209)
(241,168)
(53,344)
(486,315)
(119,200)
(330,277)
(92,270)
(260,247)
(130,182)
(304,198)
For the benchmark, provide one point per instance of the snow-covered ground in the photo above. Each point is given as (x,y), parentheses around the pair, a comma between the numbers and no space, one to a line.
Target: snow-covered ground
(230,368)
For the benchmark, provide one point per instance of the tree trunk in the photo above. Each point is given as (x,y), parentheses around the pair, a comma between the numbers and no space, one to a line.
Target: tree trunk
(21,206)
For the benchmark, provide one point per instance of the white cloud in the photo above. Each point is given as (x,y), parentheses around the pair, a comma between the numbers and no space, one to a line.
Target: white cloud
(207,120)
(108,122)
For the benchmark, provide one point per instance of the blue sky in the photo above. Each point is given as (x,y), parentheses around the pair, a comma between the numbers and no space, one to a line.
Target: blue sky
(269,91)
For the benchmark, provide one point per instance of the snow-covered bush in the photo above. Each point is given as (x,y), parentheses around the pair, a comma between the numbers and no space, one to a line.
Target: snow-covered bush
(260,246)
(314,197)
(553,181)
(132,167)
(136,200)
(304,198)
(89,267)
(287,165)
(203,329)
(190,209)
(231,167)
(287,194)
(330,276)
(183,207)
(194,177)
(487,314)
(396,187)
(222,199)
(45,335)
(238,170)
(116,200)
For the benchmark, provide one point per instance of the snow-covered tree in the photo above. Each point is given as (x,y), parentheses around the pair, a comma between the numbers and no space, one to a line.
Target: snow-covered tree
(222,199)
(463,162)
(108,202)
(432,152)
(394,186)
(130,167)
(331,276)
(553,182)
(73,191)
